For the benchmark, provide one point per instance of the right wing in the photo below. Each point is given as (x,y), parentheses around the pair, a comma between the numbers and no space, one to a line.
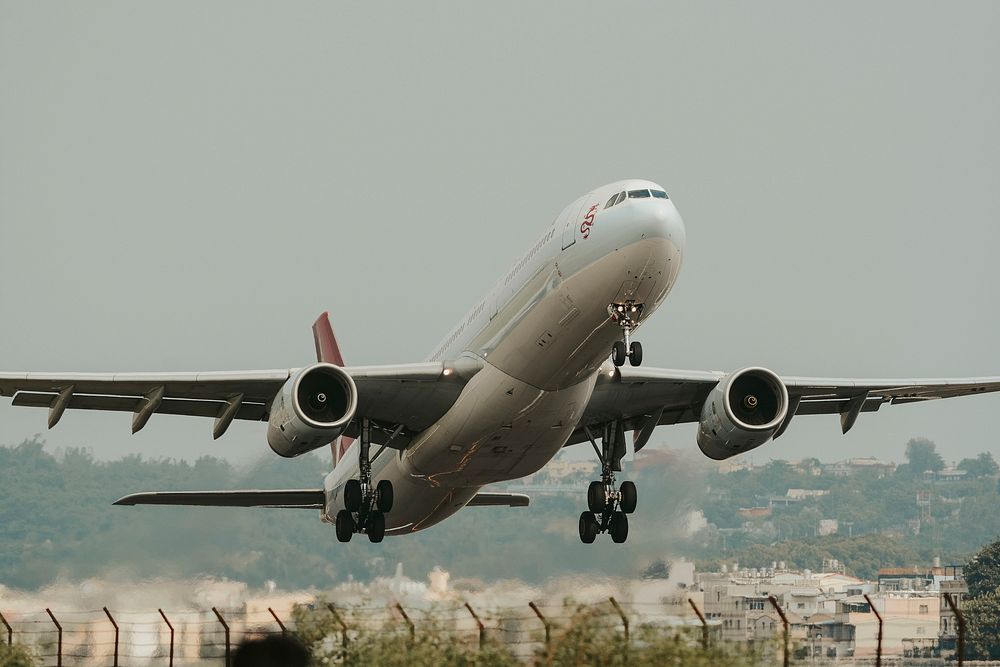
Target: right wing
(643,398)
(412,395)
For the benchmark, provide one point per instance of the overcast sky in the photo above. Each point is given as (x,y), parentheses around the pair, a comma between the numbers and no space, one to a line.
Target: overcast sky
(186,185)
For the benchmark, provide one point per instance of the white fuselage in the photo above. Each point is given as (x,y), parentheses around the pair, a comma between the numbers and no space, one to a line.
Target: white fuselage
(542,334)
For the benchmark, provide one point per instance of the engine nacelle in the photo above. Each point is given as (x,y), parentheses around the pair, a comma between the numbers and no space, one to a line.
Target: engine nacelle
(312,409)
(743,411)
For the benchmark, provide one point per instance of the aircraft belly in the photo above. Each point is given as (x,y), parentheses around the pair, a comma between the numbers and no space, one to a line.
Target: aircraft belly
(499,429)
(415,506)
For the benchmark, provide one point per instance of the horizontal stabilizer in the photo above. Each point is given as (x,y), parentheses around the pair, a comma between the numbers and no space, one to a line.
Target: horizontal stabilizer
(499,500)
(291,498)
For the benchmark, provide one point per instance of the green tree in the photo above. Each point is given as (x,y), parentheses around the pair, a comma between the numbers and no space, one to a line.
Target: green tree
(982,573)
(982,604)
(982,618)
(921,455)
(983,465)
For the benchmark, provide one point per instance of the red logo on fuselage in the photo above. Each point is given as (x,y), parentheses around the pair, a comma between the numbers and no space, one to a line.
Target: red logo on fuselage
(588,222)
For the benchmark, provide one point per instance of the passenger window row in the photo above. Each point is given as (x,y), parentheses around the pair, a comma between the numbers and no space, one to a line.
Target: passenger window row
(635,194)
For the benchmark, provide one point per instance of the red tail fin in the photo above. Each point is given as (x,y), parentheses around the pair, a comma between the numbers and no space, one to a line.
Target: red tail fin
(328,351)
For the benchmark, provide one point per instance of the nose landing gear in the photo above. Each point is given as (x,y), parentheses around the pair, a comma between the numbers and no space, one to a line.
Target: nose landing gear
(608,507)
(627,316)
(365,506)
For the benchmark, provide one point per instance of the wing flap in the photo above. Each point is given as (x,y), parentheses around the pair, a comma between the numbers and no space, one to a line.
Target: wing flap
(167,406)
(288,498)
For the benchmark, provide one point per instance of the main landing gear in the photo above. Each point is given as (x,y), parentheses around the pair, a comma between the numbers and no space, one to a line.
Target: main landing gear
(627,316)
(607,507)
(365,506)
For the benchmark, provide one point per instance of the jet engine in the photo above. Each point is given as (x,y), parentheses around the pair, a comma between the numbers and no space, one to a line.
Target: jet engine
(742,412)
(313,408)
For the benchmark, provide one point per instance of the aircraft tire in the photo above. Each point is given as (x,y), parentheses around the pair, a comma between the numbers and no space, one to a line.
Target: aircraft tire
(630,497)
(383,491)
(353,497)
(618,355)
(344,526)
(635,353)
(376,527)
(595,497)
(619,527)
(588,527)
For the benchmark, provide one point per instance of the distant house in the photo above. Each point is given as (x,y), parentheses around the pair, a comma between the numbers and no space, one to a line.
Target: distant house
(754,512)
(951,474)
(859,464)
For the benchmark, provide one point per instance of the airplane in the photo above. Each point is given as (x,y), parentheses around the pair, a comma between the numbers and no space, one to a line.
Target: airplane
(546,359)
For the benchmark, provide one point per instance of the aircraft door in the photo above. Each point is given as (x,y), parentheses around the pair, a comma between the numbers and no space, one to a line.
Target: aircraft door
(570,223)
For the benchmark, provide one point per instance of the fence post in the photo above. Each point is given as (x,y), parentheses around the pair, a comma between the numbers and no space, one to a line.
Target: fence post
(171,627)
(340,622)
(614,603)
(482,628)
(278,621)
(225,626)
(878,643)
(545,622)
(784,621)
(704,624)
(59,628)
(409,623)
(10,632)
(960,617)
(112,619)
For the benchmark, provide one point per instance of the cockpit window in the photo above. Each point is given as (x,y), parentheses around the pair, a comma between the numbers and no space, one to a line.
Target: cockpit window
(615,199)
(638,194)
(660,194)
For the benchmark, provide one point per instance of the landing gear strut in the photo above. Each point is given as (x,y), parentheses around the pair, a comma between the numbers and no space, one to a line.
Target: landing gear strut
(608,507)
(365,506)
(627,316)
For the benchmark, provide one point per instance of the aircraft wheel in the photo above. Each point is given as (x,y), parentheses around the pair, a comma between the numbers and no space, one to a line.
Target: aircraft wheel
(376,526)
(383,493)
(618,527)
(618,355)
(353,497)
(635,353)
(588,527)
(595,497)
(630,496)
(344,526)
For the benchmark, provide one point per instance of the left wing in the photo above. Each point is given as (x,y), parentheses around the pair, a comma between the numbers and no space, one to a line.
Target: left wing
(643,398)
(414,395)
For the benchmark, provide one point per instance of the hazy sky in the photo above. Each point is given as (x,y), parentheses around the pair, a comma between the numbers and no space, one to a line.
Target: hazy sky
(186,185)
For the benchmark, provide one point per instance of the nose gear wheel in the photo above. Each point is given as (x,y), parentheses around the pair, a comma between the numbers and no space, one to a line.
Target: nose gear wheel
(627,316)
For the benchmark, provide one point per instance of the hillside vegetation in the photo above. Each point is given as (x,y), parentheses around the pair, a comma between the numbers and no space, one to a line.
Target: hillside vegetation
(57,521)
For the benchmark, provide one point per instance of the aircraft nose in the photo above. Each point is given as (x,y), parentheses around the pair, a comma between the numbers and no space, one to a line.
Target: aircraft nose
(660,219)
